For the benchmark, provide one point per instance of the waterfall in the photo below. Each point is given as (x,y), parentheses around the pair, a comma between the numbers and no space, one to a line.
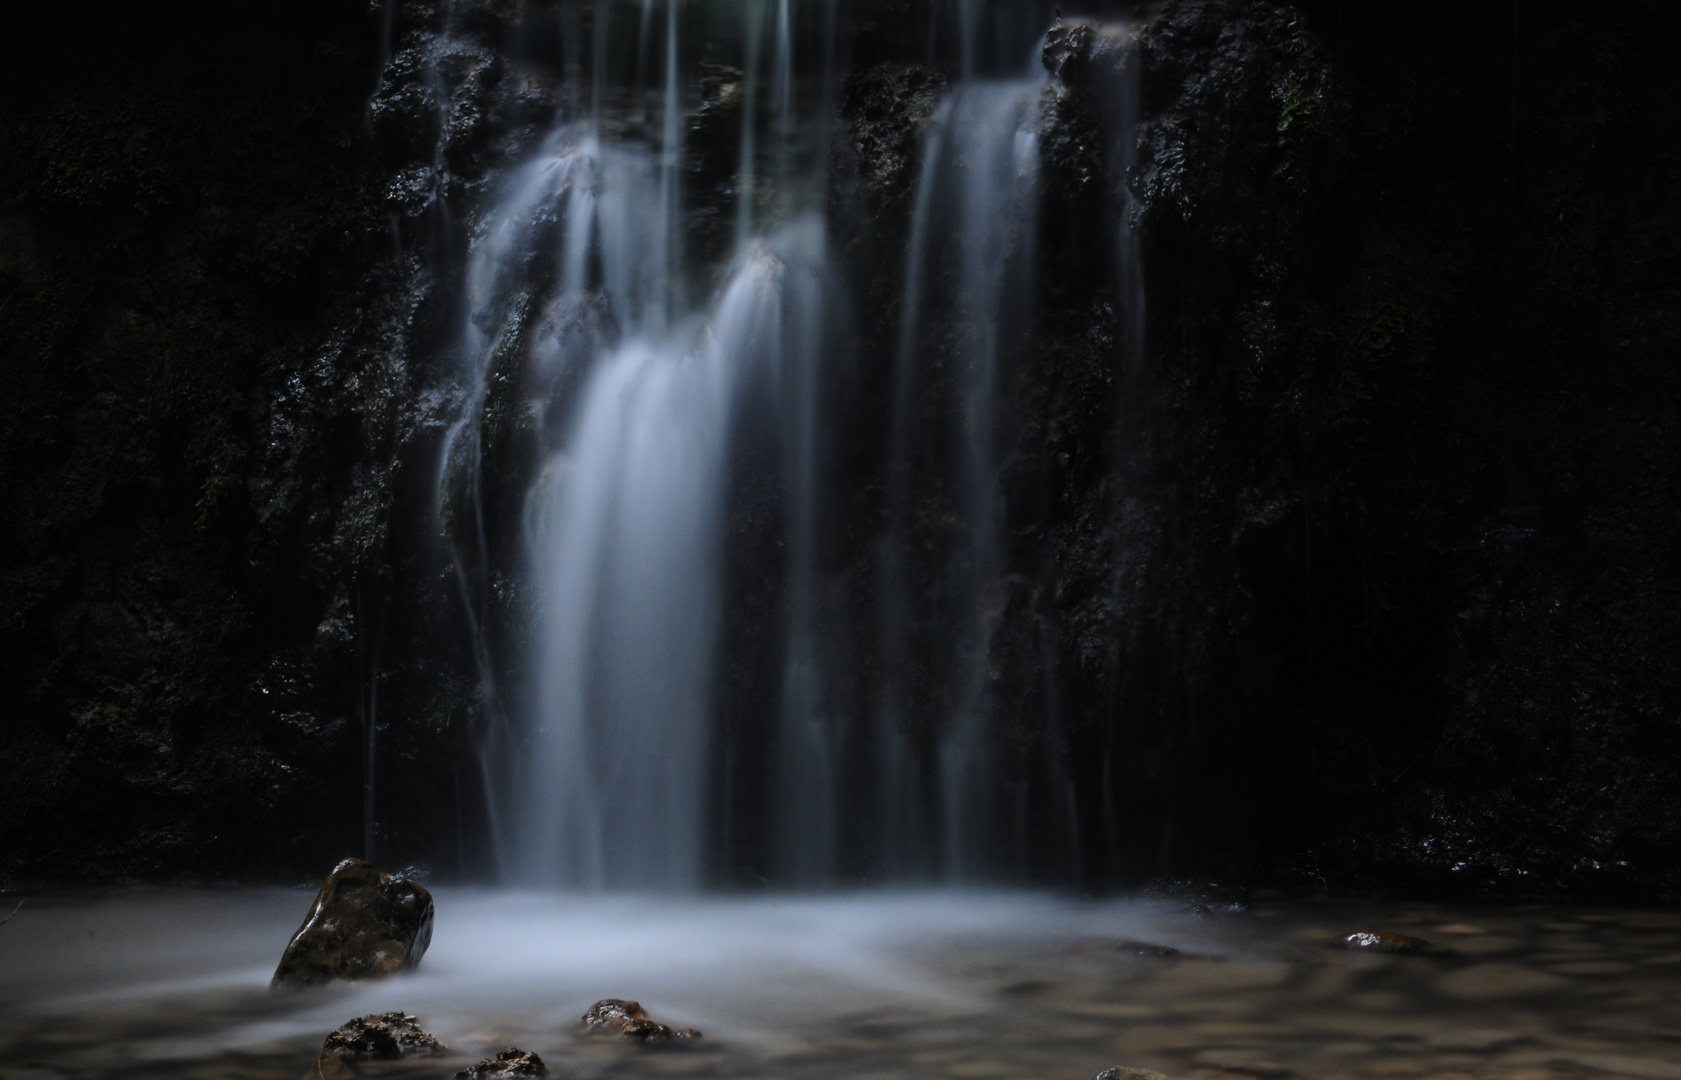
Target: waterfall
(610,765)
(968,293)
(625,548)
(632,359)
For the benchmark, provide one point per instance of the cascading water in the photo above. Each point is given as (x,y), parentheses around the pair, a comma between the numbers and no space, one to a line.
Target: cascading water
(624,535)
(644,352)
(968,295)
(583,256)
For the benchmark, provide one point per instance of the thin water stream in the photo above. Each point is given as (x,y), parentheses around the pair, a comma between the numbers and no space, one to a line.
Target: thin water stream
(977,985)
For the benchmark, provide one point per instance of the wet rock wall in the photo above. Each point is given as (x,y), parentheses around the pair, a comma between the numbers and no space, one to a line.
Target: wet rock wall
(1358,571)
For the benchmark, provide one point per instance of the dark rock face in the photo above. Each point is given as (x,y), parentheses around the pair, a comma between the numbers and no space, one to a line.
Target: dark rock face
(1209,896)
(384,1035)
(1388,619)
(510,1062)
(1360,567)
(363,924)
(214,580)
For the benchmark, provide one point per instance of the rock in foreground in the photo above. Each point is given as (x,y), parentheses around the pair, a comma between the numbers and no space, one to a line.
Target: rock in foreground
(364,924)
(511,1062)
(384,1035)
(1383,941)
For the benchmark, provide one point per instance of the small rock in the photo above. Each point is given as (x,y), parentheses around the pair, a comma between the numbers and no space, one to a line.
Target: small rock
(511,1062)
(1129,1074)
(611,1014)
(645,1031)
(1146,949)
(627,1018)
(363,924)
(648,1033)
(1383,941)
(384,1035)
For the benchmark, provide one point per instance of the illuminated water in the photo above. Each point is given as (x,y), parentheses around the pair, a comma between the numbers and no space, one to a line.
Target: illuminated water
(173,983)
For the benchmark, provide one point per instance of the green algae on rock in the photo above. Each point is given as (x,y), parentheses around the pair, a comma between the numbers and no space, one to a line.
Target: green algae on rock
(364,924)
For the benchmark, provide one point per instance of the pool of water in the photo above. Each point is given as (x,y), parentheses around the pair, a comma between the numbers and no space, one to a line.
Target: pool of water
(979,986)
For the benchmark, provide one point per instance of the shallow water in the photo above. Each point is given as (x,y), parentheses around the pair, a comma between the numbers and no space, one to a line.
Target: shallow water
(174,983)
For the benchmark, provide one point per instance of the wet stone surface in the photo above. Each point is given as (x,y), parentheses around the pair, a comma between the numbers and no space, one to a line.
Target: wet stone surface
(384,1035)
(610,1015)
(628,1020)
(364,924)
(510,1062)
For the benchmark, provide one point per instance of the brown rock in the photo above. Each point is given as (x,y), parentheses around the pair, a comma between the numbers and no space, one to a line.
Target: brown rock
(611,1014)
(630,1021)
(645,1031)
(385,1035)
(1383,941)
(511,1062)
(363,924)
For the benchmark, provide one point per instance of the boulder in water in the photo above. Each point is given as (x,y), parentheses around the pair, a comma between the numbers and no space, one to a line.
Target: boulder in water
(364,924)
(511,1062)
(383,1035)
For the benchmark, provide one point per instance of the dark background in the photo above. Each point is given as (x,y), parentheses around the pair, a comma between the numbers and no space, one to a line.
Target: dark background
(1402,457)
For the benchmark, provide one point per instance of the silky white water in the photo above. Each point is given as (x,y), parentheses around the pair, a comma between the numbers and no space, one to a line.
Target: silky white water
(672,357)
(145,983)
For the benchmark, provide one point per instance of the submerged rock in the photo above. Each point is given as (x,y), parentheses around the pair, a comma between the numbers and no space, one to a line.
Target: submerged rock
(627,1018)
(1383,941)
(383,1035)
(1146,950)
(511,1062)
(364,924)
(1118,1073)
(609,1015)
(648,1032)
